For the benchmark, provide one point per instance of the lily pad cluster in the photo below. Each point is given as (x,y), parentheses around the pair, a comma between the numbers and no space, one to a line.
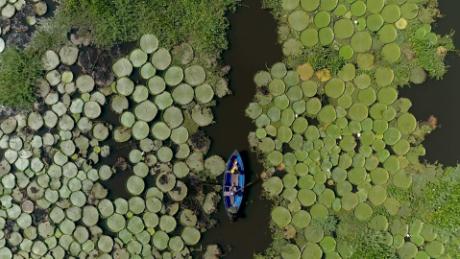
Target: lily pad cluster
(51,194)
(162,97)
(9,8)
(341,149)
(52,168)
(338,146)
(367,33)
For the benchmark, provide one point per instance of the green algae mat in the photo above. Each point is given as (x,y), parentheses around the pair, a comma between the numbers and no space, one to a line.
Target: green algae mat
(341,149)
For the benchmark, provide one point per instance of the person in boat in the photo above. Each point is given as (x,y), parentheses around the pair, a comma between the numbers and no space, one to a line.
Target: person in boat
(234,167)
(234,190)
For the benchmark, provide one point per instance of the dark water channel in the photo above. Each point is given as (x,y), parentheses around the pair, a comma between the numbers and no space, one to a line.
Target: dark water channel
(253,47)
(441,98)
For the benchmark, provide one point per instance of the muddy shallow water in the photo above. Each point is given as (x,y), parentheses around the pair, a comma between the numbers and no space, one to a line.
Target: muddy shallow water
(253,47)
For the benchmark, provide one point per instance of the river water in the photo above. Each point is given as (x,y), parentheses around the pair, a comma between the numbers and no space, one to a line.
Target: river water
(441,98)
(254,47)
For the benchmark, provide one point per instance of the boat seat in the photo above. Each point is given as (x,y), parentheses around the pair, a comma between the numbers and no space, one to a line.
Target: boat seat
(234,179)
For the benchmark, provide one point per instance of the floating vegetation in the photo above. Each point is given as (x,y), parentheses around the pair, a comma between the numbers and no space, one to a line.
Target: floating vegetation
(14,64)
(18,16)
(340,148)
(54,163)
(312,30)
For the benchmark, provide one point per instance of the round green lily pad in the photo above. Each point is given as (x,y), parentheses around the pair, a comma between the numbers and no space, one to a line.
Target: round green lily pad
(122,67)
(387,33)
(363,212)
(277,87)
(402,180)
(408,250)
(407,123)
(190,235)
(391,13)
(278,70)
(346,52)
(160,240)
(281,216)
(435,249)
(365,61)
(204,93)
(374,22)
(328,5)
(273,186)
(358,8)
(161,59)
(161,131)
(327,114)
(375,6)
(309,5)
(298,20)
(334,88)
(183,94)
(409,10)
(163,100)
(314,233)
(343,28)
(145,111)
(349,201)
(326,36)
(156,85)
(384,76)
(125,86)
(135,185)
(140,130)
(391,52)
(309,37)
(358,112)
(138,57)
(306,197)
(301,219)
(195,75)
(361,41)
(377,195)
(174,75)
(322,19)
(290,251)
(116,222)
(289,4)
(149,43)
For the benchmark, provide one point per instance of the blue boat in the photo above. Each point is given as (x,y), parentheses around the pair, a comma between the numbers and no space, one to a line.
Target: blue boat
(233,186)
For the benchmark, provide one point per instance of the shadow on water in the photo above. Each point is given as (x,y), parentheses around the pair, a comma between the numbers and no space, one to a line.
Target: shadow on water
(441,98)
(253,40)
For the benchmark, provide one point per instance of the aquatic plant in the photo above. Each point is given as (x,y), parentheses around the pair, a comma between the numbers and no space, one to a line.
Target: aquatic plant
(331,32)
(54,202)
(342,142)
(17,64)
(178,89)
(430,51)
(118,21)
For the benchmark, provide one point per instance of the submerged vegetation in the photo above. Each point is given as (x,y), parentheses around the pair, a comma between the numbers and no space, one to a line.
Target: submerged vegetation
(341,150)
